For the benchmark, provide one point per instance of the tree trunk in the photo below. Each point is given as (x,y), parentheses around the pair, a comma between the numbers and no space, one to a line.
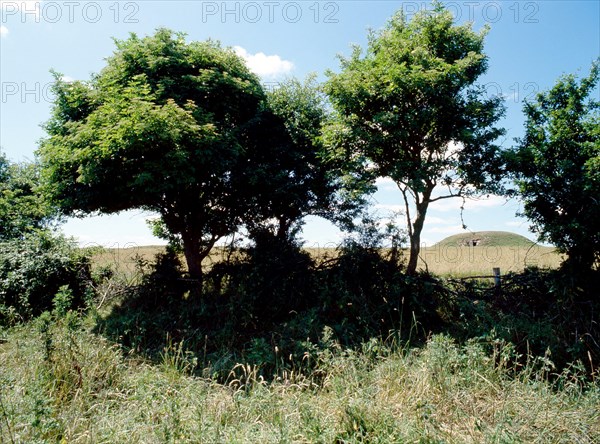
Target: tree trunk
(415,249)
(580,260)
(415,228)
(283,229)
(193,256)
(415,237)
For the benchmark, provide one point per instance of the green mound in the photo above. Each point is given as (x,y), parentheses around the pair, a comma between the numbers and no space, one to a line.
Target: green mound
(484,238)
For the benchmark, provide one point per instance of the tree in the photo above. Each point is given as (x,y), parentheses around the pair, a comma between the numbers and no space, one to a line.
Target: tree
(22,208)
(557,164)
(291,175)
(162,127)
(410,107)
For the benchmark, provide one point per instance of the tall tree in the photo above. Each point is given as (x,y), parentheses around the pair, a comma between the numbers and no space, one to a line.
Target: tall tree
(557,167)
(161,128)
(411,108)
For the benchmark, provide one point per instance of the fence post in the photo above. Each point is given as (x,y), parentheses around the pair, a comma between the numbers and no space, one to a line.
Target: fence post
(497,279)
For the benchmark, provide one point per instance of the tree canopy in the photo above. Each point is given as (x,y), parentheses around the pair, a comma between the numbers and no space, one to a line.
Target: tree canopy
(409,106)
(557,167)
(186,130)
(161,127)
(292,174)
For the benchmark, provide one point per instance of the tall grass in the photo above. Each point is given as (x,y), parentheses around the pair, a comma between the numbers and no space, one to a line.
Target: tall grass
(229,367)
(61,383)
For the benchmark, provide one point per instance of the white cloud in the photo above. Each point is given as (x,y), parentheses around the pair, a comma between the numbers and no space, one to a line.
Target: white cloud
(454,203)
(433,220)
(3,31)
(451,204)
(452,150)
(452,229)
(265,65)
(100,230)
(391,208)
(386,184)
(485,202)
(401,211)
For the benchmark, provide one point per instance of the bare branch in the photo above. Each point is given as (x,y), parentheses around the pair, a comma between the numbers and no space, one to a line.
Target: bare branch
(406,206)
(447,196)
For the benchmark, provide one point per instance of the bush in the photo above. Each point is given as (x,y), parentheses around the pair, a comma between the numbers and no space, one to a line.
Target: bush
(270,301)
(269,304)
(272,280)
(552,310)
(33,270)
(540,311)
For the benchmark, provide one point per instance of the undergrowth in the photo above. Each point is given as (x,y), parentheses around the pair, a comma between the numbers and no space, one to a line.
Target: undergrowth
(275,346)
(63,383)
(266,306)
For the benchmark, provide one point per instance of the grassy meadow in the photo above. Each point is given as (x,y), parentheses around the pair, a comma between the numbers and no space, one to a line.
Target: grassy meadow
(142,364)
(82,389)
(450,257)
(460,261)
(471,254)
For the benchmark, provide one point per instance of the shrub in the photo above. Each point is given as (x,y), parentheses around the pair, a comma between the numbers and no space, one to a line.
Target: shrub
(539,311)
(33,270)
(273,280)
(554,310)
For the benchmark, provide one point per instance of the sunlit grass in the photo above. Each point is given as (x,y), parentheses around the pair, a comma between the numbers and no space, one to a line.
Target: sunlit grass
(443,260)
(447,260)
(85,390)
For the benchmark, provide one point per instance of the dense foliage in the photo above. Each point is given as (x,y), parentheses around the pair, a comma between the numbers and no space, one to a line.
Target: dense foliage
(32,271)
(410,107)
(185,130)
(290,174)
(23,209)
(272,304)
(162,127)
(557,166)
(35,263)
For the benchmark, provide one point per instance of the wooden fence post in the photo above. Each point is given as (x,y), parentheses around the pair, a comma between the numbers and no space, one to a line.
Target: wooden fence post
(497,279)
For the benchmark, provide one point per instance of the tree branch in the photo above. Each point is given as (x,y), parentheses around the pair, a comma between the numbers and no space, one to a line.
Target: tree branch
(448,196)
(407,207)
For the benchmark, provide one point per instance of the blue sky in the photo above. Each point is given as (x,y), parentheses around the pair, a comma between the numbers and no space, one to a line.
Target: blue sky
(530,44)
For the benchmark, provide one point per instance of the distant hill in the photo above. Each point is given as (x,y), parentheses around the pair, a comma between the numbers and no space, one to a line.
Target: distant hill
(485,238)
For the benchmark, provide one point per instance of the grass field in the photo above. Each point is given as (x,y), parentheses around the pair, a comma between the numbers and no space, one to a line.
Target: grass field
(451,257)
(455,260)
(478,253)
(82,389)
(128,259)
(487,238)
